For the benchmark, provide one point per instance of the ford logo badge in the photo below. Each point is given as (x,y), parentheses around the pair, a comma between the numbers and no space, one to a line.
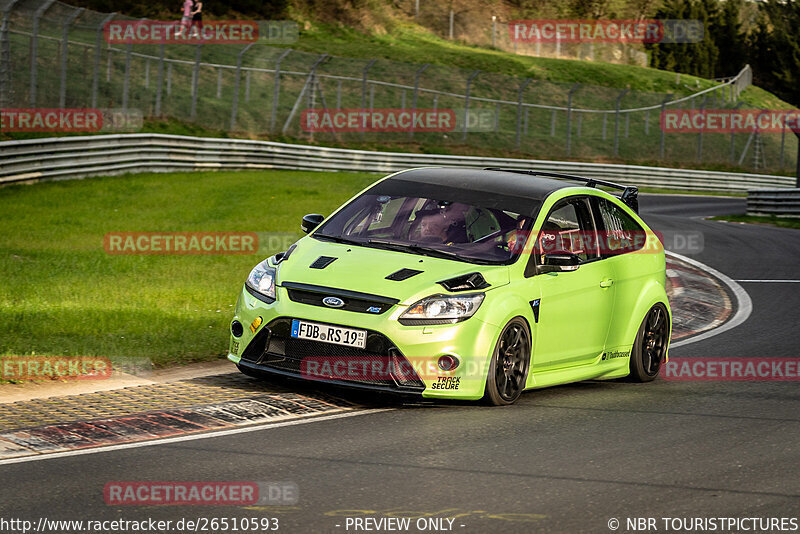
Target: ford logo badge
(333,302)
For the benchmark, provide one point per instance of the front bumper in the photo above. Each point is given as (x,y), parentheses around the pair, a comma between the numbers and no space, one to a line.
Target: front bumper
(407,356)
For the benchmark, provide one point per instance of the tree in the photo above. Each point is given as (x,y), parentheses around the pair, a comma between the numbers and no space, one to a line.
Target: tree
(774,50)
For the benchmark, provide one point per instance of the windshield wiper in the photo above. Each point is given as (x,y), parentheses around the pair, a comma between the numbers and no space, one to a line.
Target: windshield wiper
(425,251)
(340,239)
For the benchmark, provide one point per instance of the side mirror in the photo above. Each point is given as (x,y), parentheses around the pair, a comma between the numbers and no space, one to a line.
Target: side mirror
(560,261)
(311,221)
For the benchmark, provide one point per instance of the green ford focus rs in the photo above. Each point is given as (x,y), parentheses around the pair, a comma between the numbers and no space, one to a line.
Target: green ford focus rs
(462,283)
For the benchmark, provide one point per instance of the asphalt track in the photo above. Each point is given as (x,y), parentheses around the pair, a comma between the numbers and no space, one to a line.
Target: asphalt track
(564,459)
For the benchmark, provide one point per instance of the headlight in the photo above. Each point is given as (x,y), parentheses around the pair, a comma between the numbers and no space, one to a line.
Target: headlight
(262,280)
(442,309)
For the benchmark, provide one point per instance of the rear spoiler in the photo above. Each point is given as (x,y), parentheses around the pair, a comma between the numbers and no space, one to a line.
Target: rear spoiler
(630,193)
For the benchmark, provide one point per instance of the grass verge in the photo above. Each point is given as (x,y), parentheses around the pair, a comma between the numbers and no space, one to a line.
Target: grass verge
(62,294)
(781,222)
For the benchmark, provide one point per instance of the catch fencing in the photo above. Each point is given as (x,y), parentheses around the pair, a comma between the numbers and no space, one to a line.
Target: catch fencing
(56,56)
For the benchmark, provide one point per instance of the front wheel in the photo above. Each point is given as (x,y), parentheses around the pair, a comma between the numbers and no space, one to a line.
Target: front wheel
(508,370)
(650,347)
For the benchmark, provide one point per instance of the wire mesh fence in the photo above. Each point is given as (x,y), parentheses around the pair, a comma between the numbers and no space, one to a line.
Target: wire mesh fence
(56,56)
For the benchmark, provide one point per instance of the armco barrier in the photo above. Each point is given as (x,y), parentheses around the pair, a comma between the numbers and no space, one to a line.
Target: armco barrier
(85,156)
(780,202)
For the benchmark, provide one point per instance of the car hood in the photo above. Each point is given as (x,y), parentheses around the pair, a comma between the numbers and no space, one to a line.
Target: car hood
(365,270)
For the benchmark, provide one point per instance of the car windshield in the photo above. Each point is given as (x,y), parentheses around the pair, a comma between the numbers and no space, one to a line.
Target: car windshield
(470,226)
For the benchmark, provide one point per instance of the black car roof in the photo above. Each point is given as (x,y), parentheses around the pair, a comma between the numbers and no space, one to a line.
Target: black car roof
(490,181)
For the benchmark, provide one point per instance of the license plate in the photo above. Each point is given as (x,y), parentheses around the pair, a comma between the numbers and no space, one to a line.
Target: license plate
(350,337)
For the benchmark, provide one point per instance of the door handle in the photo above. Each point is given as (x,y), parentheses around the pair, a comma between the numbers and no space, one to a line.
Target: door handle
(607,283)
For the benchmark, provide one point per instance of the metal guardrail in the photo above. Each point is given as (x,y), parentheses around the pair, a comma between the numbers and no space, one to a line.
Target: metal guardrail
(85,156)
(780,202)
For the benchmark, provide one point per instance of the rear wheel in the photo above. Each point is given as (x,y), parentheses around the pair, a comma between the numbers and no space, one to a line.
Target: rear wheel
(508,370)
(650,346)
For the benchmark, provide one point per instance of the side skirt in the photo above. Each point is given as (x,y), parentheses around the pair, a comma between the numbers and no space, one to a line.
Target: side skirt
(607,366)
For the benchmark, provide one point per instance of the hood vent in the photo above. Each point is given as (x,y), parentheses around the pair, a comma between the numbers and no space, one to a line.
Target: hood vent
(403,274)
(322,262)
(465,282)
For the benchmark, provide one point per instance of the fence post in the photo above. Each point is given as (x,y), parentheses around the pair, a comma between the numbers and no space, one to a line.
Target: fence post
(569,116)
(312,73)
(797,170)
(416,94)
(452,15)
(520,93)
(616,121)
(277,90)
(605,124)
(235,104)
(364,72)
(733,138)
(466,100)
(160,82)
(339,94)
(5,58)
(783,142)
(553,123)
(126,82)
(219,83)
(35,50)
(700,133)
(753,135)
(661,125)
(62,94)
(98,49)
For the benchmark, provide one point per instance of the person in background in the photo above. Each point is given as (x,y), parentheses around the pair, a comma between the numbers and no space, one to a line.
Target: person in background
(197,17)
(185,19)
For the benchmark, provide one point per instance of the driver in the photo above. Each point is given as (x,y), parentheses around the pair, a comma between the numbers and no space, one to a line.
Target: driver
(517,238)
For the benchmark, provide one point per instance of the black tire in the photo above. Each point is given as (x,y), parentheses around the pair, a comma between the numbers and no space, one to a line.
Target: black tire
(650,346)
(508,370)
(249,372)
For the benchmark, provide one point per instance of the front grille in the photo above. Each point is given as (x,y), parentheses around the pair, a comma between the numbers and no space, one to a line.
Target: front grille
(350,304)
(379,364)
(353,301)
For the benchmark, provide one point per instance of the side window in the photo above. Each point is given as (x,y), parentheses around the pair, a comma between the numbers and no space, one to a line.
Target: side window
(569,227)
(621,233)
